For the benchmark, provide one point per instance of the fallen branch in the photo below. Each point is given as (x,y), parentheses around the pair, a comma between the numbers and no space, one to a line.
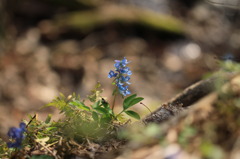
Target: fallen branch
(185,99)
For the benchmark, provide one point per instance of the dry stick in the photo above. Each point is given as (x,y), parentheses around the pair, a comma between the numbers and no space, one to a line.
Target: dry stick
(46,148)
(188,97)
(34,117)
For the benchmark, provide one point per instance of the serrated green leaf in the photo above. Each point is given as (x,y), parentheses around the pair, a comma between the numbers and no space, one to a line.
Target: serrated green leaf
(95,116)
(133,114)
(101,110)
(48,119)
(98,85)
(51,128)
(96,104)
(96,93)
(127,100)
(62,96)
(80,105)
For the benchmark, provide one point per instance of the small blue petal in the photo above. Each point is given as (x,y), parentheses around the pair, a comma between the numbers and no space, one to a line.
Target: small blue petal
(124,79)
(123,93)
(117,65)
(127,92)
(125,62)
(120,83)
(129,73)
(124,70)
(112,74)
(127,78)
(128,83)
(22,126)
(121,87)
(117,61)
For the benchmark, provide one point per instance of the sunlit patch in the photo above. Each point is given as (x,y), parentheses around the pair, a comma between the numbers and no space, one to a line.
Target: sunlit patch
(191,51)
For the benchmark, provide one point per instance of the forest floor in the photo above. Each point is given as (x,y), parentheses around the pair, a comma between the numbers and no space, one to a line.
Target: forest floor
(49,47)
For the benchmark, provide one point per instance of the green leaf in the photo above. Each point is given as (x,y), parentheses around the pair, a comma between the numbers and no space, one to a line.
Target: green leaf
(101,110)
(105,120)
(51,128)
(96,104)
(80,105)
(135,101)
(62,96)
(95,116)
(131,101)
(133,114)
(48,119)
(110,111)
(96,93)
(128,100)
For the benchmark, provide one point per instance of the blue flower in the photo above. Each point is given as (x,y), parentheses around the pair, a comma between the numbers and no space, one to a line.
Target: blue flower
(22,126)
(122,75)
(124,80)
(124,62)
(112,74)
(123,90)
(126,70)
(16,135)
(117,65)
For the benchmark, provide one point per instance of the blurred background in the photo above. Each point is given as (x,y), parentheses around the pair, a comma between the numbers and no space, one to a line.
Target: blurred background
(52,46)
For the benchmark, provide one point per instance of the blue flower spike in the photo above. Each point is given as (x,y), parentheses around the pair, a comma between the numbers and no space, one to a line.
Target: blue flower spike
(16,135)
(122,75)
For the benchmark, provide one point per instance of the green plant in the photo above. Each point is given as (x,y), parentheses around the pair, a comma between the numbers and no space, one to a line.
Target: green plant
(85,120)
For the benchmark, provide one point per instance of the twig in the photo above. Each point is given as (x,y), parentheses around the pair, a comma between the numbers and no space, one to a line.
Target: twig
(45,147)
(34,117)
(146,107)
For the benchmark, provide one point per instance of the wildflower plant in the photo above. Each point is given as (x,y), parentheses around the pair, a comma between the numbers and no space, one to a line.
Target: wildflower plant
(92,119)
(121,76)
(121,81)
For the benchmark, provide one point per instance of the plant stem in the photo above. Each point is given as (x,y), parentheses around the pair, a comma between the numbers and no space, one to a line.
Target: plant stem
(146,107)
(119,113)
(114,99)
